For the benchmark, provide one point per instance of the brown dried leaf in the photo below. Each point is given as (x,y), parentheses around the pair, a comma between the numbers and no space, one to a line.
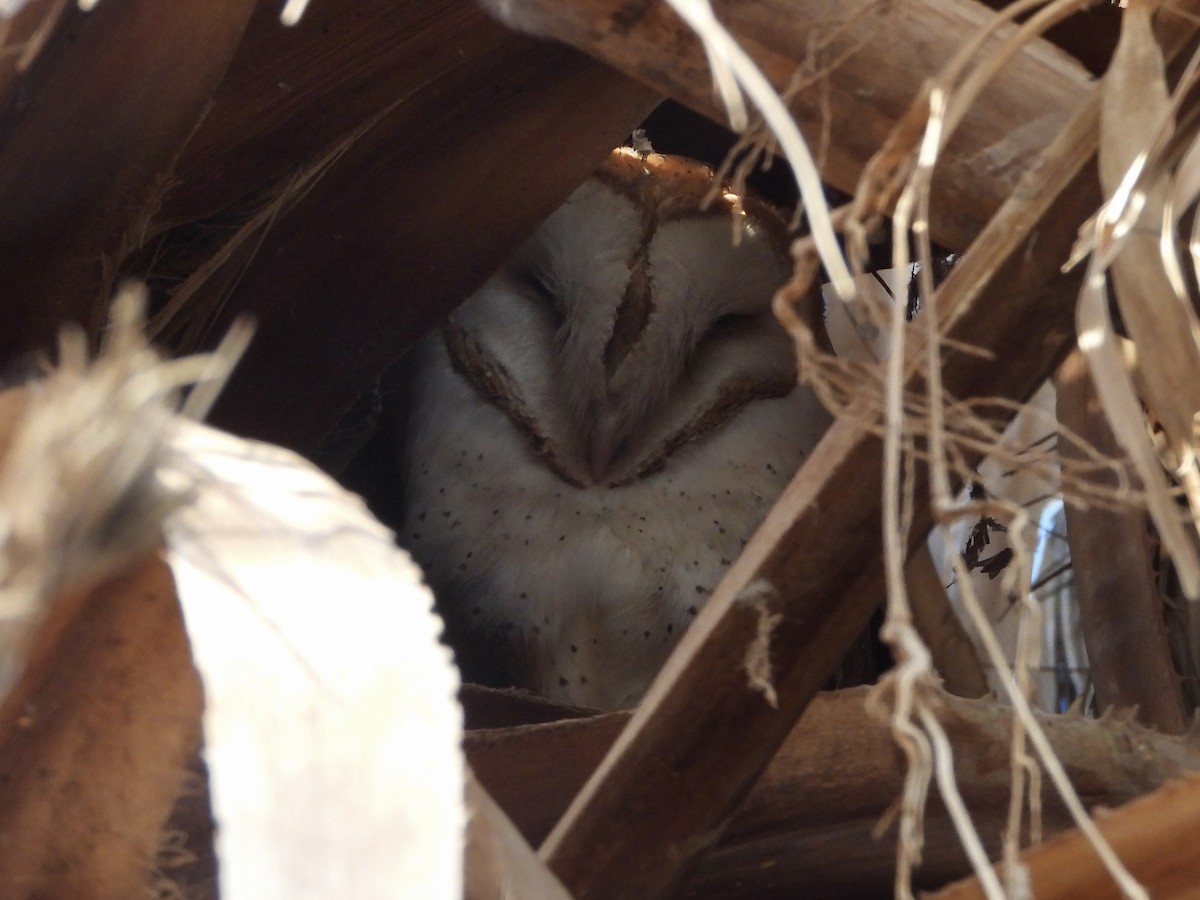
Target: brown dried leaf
(1185,190)
(1160,321)
(1136,108)
(1186,187)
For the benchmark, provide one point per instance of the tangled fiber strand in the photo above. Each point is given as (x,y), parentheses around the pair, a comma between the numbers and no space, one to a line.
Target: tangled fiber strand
(79,492)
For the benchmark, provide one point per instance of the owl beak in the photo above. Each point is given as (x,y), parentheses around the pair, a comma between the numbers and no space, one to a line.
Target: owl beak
(600,448)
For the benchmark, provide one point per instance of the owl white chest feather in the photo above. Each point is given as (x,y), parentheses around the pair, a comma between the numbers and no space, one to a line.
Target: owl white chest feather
(598,434)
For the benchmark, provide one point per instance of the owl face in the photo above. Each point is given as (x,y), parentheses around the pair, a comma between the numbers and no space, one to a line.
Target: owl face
(598,431)
(636,319)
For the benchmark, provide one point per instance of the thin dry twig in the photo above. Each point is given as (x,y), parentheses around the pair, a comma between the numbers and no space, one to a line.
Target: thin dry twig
(1125,239)
(905,166)
(734,72)
(188,317)
(916,193)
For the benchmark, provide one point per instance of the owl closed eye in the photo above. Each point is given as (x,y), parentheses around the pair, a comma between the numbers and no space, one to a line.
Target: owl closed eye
(597,432)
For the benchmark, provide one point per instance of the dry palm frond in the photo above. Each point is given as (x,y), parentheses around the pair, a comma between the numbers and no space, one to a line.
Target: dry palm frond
(947,99)
(902,172)
(350,732)
(734,72)
(1161,322)
(187,319)
(79,494)
(293,10)
(325,728)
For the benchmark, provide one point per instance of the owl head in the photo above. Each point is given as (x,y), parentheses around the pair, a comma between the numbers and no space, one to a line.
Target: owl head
(636,319)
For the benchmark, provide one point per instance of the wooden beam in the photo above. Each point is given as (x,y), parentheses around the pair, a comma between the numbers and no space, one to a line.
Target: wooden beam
(1120,609)
(499,862)
(806,827)
(860,64)
(1154,836)
(812,575)
(954,657)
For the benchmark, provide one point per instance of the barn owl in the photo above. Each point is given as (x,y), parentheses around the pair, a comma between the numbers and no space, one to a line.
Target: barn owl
(597,432)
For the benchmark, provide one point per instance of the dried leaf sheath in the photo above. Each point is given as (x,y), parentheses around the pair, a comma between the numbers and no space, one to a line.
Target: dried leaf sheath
(331,727)
(94,739)
(1161,322)
(1155,833)
(78,495)
(103,710)
(1120,607)
(807,825)
(100,705)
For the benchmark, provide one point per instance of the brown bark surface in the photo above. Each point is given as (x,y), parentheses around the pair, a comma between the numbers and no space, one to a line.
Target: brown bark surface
(1120,610)
(806,827)
(813,570)
(94,739)
(499,862)
(1154,836)
(857,67)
